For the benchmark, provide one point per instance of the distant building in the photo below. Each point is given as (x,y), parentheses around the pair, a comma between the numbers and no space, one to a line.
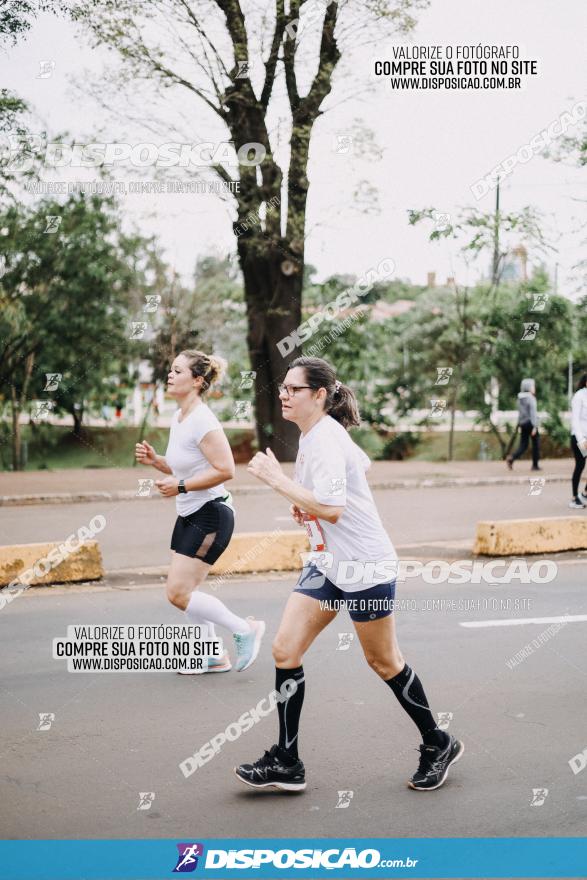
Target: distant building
(515,265)
(432,285)
(382,310)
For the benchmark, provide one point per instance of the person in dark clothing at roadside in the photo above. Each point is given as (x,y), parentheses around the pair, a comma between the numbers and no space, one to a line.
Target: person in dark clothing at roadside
(528,423)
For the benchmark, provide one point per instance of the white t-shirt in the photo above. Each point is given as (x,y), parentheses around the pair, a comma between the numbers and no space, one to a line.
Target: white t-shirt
(358,553)
(579,415)
(186,459)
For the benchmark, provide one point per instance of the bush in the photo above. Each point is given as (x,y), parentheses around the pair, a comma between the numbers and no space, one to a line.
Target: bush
(399,446)
(369,441)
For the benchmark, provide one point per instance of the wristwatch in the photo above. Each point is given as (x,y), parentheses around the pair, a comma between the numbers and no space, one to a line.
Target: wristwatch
(181,488)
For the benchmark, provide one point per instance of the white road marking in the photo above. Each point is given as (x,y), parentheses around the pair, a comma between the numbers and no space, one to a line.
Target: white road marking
(520,621)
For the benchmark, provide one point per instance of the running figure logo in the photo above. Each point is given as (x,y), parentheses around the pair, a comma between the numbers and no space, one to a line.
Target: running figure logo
(443,375)
(444,719)
(537,484)
(539,795)
(311,578)
(152,302)
(344,799)
(46,68)
(343,143)
(242,409)
(337,485)
(137,329)
(437,406)
(53,223)
(41,409)
(530,331)
(46,719)
(145,487)
(540,302)
(52,381)
(344,641)
(146,799)
(247,379)
(188,857)
(441,221)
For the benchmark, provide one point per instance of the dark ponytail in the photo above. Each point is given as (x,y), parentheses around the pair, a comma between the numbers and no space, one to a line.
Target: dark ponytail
(582,382)
(340,402)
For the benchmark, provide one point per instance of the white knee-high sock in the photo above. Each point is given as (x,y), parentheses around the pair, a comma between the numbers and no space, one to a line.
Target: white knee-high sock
(212,609)
(196,620)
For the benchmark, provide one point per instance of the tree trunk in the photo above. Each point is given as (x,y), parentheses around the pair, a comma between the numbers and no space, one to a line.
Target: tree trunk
(15,413)
(17,403)
(78,416)
(451,432)
(274,308)
(453,408)
(143,428)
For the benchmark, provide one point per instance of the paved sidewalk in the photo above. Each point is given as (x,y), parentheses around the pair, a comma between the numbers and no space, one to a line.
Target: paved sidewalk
(120,484)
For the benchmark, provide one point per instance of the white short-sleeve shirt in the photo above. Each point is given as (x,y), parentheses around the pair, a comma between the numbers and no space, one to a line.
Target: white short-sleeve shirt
(359,553)
(579,415)
(186,459)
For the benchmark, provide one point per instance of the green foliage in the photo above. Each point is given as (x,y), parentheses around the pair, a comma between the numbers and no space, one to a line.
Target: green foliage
(369,441)
(16,17)
(66,293)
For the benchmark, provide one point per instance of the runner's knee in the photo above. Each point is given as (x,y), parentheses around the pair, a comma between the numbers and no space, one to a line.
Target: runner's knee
(385,665)
(177,595)
(285,654)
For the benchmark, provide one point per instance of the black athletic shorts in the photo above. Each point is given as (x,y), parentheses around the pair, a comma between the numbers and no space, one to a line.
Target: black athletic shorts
(206,533)
(362,605)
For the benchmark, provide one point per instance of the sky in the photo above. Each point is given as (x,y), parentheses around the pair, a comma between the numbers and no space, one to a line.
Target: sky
(433,144)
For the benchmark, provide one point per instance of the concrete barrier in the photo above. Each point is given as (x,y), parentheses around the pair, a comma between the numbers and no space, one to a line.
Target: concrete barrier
(518,537)
(262,551)
(83,564)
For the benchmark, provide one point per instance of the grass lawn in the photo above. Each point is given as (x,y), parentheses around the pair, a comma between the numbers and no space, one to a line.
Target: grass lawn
(53,447)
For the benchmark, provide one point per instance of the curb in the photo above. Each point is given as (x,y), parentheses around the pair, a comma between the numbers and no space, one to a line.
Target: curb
(247,553)
(520,537)
(130,495)
(48,563)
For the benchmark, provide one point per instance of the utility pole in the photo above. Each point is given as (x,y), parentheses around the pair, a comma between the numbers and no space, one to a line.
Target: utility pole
(570,363)
(495,267)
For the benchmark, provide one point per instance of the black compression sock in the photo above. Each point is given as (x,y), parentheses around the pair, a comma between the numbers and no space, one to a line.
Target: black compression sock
(289,709)
(409,691)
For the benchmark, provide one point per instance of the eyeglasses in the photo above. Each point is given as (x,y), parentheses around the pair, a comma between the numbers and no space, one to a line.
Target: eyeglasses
(291,390)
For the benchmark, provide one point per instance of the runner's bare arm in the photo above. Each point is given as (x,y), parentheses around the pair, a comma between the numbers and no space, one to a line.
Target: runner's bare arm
(218,453)
(145,454)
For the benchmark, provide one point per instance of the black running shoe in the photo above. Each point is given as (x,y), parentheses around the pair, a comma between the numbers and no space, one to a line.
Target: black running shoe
(434,763)
(271,772)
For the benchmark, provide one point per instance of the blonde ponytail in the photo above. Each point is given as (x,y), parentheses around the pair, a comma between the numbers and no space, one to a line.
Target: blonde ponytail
(211,367)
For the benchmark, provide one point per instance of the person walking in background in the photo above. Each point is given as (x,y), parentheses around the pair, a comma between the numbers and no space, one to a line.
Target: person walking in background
(528,424)
(579,439)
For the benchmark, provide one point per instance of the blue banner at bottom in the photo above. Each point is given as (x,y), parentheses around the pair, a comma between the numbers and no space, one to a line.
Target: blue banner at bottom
(295,857)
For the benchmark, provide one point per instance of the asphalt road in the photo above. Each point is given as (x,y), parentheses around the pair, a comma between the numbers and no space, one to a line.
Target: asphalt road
(137,533)
(116,735)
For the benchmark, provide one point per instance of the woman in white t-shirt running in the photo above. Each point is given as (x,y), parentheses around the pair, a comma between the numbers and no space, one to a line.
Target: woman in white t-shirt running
(198,460)
(352,564)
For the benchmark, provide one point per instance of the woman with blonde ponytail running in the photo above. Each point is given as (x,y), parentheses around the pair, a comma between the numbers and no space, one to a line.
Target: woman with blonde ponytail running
(197,461)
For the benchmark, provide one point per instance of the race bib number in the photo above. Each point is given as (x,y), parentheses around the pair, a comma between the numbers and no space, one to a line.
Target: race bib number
(314,532)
